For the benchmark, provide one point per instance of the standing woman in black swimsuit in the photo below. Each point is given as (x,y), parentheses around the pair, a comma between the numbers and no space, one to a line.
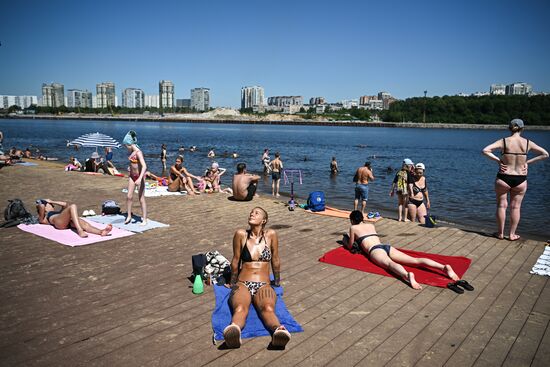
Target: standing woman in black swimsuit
(418,190)
(512,175)
(253,251)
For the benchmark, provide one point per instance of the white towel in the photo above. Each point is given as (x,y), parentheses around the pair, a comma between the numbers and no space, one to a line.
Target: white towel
(542,266)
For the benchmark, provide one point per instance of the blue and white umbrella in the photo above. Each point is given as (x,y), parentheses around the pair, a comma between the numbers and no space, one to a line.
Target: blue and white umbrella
(95,140)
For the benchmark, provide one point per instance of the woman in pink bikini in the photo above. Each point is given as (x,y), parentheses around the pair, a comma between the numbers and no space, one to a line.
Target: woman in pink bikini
(137,170)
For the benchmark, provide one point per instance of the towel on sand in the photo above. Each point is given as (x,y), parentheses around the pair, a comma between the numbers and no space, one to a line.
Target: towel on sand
(134,226)
(221,317)
(69,237)
(339,213)
(342,257)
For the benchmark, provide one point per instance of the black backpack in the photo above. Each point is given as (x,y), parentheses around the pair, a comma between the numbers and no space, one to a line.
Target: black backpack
(15,213)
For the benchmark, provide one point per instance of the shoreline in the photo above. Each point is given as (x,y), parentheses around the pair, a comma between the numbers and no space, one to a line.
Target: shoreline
(388,214)
(257,121)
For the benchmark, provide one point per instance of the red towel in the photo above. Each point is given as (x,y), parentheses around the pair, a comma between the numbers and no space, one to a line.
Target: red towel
(342,257)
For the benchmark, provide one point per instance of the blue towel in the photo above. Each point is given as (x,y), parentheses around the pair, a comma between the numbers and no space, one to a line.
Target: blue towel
(221,317)
(134,226)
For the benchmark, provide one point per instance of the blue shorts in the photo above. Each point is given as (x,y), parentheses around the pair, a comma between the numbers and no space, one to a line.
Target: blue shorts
(362,192)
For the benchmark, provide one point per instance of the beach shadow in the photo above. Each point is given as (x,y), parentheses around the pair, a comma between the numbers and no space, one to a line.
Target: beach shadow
(280,226)
(306,230)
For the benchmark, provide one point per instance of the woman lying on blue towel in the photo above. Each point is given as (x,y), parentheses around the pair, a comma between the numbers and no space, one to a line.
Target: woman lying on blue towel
(253,250)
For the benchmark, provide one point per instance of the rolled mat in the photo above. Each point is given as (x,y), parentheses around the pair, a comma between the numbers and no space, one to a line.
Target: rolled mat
(342,257)
(221,317)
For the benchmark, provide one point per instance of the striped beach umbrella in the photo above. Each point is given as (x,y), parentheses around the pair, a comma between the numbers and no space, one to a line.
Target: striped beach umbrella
(95,140)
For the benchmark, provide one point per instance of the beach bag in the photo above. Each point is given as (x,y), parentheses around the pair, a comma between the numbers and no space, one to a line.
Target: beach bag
(215,264)
(15,210)
(430,221)
(199,263)
(110,207)
(316,201)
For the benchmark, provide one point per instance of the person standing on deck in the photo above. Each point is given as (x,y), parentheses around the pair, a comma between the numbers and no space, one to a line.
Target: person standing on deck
(276,166)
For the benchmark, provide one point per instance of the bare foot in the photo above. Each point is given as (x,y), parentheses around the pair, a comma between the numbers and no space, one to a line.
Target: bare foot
(143,222)
(413,281)
(128,220)
(82,234)
(277,195)
(514,237)
(407,220)
(500,236)
(450,273)
(106,230)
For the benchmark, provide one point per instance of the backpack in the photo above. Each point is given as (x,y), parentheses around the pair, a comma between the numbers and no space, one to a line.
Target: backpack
(15,214)
(110,207)
(316,201)
(199,263)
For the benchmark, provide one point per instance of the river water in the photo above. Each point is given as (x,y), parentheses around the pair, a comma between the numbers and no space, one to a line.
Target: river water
(460,178)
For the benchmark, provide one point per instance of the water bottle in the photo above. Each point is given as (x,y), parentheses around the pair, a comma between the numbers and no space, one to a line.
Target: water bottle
(198,286)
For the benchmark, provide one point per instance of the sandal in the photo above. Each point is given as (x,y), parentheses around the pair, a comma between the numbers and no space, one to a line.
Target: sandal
(281,337)
(232,336)
(464,284)
(455,288)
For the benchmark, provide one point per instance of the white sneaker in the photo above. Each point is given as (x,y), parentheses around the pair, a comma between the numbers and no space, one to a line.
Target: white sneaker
(85,213)
(91,213)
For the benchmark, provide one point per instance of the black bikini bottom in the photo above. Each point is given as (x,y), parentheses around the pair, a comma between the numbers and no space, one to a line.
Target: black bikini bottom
(416,202)
(512,180)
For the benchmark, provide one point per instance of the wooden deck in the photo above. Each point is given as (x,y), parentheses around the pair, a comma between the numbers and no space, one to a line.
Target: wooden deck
(128,302)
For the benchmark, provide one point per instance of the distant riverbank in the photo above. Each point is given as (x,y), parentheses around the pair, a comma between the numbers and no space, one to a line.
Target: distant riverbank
(261,120)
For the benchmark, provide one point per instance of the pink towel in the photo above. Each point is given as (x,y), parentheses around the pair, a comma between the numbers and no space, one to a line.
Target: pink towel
(69,237)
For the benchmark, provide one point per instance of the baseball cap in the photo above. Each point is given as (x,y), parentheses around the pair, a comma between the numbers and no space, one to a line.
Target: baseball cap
(420,165)
(517,122)
(407,161)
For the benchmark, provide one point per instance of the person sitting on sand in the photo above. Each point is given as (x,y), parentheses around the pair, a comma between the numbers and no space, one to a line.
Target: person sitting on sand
(244,184)
(27,154)
(253,251)
(212,176)
(387,257)
(180,179)
(512,175)
(66,218)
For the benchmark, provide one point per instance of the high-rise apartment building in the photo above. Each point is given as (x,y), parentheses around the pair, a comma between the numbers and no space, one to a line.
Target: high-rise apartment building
(364,100)
(152,101)
(105,95)
(497,89)
(77,98)
(317,101)
(183,102)
(285,101)
(53,95)
(166,94)
(252,97)
(384,95)
(200,99)
(519,89)
(20,101)
(133,98)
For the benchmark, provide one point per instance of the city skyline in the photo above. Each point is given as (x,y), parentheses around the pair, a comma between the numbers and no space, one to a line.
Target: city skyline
(337,51)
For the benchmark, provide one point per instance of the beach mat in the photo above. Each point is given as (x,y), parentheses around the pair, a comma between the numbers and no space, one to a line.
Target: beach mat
(339,213)
(26,164)
(342,257)
(542,266)
(133,226)
(69,237)
(157,191)
(221,317)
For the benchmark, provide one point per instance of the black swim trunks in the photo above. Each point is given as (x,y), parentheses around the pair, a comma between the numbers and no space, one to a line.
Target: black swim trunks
(275,176)
(251,191)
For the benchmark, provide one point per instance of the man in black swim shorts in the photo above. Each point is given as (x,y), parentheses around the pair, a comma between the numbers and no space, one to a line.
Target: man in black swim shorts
(244,184)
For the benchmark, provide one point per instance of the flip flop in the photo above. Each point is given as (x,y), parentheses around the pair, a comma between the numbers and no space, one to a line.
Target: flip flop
(455,288)
(280,338)
(497,236)
(464,284)
(515,239)
(232,336)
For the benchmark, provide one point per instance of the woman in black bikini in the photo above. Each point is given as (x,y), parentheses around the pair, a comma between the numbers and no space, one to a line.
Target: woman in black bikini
(253,250)
(418,190)
(364,236)
(66,218)
(512,175)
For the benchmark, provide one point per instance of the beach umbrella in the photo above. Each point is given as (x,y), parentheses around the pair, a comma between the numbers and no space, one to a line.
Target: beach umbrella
(95,140)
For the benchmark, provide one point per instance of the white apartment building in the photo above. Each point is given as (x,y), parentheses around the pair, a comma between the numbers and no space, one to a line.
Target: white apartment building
(105,95)
(200,99)
(252,96)
(133,98)
(166,94)
(77,98)
(519,89)
(21,101)
(283,101)
(151,101)
(497,89)
(53,95)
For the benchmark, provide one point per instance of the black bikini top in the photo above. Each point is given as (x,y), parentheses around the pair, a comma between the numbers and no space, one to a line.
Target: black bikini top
(417,189)
(505,152)
(265,255)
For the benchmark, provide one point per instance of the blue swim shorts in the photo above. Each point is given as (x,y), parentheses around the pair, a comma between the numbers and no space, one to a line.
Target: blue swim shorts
(362,192)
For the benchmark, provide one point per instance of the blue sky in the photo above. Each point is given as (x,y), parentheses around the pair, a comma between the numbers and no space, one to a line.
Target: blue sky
(336,49)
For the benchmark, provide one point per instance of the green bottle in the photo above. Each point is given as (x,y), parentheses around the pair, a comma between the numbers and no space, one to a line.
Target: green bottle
(198,286)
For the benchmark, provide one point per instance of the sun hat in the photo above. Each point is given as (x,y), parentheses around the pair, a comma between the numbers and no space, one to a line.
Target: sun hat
(94,155)
(517,122)
(420,165)
(407,161)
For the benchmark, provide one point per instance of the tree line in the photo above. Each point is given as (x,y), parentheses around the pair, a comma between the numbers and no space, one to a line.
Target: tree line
(534,110)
